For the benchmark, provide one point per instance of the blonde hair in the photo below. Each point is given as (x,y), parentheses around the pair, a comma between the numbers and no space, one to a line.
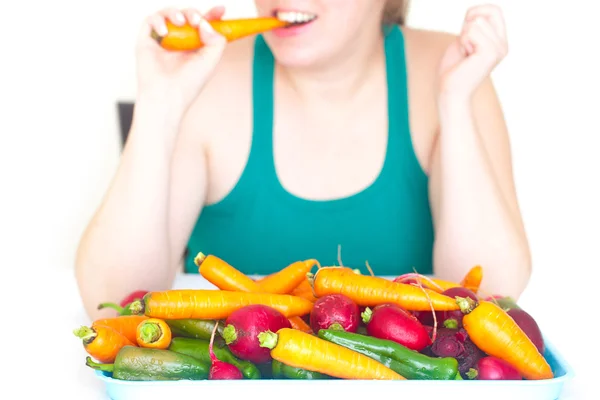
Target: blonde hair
(395,12)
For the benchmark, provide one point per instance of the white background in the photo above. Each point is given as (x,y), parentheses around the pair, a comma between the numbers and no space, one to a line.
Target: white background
(64,64)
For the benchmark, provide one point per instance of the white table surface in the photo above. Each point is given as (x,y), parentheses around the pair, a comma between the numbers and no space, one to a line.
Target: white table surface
(45,319)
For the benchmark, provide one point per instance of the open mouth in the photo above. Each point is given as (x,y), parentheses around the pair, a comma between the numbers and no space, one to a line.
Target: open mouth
(294,18)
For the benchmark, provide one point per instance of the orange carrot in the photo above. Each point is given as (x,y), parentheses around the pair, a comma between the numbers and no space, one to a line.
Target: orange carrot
(215,304)
(285,280)
(497,334)
(303,286)
(187,37)
(473,278)
(224,276)
(371,291)
(126,325)
(102,342)
(303,350)
(154,333)
(298,323)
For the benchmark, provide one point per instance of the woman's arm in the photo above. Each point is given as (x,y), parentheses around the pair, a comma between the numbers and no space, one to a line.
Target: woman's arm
(474,203)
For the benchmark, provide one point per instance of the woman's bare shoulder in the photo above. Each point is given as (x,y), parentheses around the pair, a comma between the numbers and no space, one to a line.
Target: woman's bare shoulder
(425,48)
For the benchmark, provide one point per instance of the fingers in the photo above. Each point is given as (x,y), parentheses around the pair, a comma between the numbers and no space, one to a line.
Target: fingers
(491,12)
(192,16)
(482,29)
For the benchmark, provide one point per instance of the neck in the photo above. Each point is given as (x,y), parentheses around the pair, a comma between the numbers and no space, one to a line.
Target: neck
(340,77)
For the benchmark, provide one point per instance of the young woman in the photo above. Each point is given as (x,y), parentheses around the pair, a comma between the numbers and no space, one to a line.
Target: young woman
(351,132)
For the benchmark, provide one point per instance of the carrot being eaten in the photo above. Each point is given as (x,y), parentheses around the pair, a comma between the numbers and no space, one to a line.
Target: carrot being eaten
(370,291)
(302,350)
(492,330)
(187,37)
(215,304)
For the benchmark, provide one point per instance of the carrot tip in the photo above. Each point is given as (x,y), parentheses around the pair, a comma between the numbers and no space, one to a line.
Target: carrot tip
(267,339)
(154,35)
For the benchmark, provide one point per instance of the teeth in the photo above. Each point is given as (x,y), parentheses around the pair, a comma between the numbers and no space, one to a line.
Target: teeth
(295,17)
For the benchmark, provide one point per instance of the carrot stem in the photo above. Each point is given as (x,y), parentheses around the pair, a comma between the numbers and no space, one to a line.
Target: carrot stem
(101,367)
(466,304)
(85,333)
(229,334)
(150,333)
(268,339)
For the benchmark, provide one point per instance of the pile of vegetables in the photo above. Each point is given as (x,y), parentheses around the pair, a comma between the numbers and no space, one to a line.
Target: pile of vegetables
(333,323)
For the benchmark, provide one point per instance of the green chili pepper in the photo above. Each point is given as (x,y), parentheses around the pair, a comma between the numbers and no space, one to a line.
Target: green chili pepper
(145,364)
(198,349)
(194,328)
(127,310)
(283,371)
(408,363)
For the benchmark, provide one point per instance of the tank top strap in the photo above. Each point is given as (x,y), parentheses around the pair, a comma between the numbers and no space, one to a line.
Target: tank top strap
(261,161)
(401,157)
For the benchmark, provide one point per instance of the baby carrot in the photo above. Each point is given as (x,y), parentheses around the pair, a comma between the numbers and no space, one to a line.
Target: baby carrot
(285,280)
(154,333)
(102,342)
(224,276)
(473,278)
(371,291)
(126,325)
(303,350)
(298,323)
(187,37)
(497,334)
(215,304)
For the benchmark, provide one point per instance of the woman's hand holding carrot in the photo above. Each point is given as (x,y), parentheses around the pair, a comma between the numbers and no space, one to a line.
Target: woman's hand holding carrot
(178,76)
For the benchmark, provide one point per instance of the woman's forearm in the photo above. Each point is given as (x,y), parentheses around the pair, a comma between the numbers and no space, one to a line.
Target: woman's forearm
(126,245)
(475,225)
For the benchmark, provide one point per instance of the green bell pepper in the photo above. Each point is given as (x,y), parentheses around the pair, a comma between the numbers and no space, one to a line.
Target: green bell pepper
(145,364)
(198,349)
(408,363)
(283,371)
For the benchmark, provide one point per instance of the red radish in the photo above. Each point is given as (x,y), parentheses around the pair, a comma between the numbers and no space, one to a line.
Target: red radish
(220,370)
(335,311)
(242,329)
(453,319)
(529,326)
(391,322)
(493,368)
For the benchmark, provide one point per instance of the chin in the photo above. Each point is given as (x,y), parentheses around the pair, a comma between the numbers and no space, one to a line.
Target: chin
(294,56)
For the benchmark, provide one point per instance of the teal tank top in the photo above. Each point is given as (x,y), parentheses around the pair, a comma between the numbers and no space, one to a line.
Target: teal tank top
(260,228)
